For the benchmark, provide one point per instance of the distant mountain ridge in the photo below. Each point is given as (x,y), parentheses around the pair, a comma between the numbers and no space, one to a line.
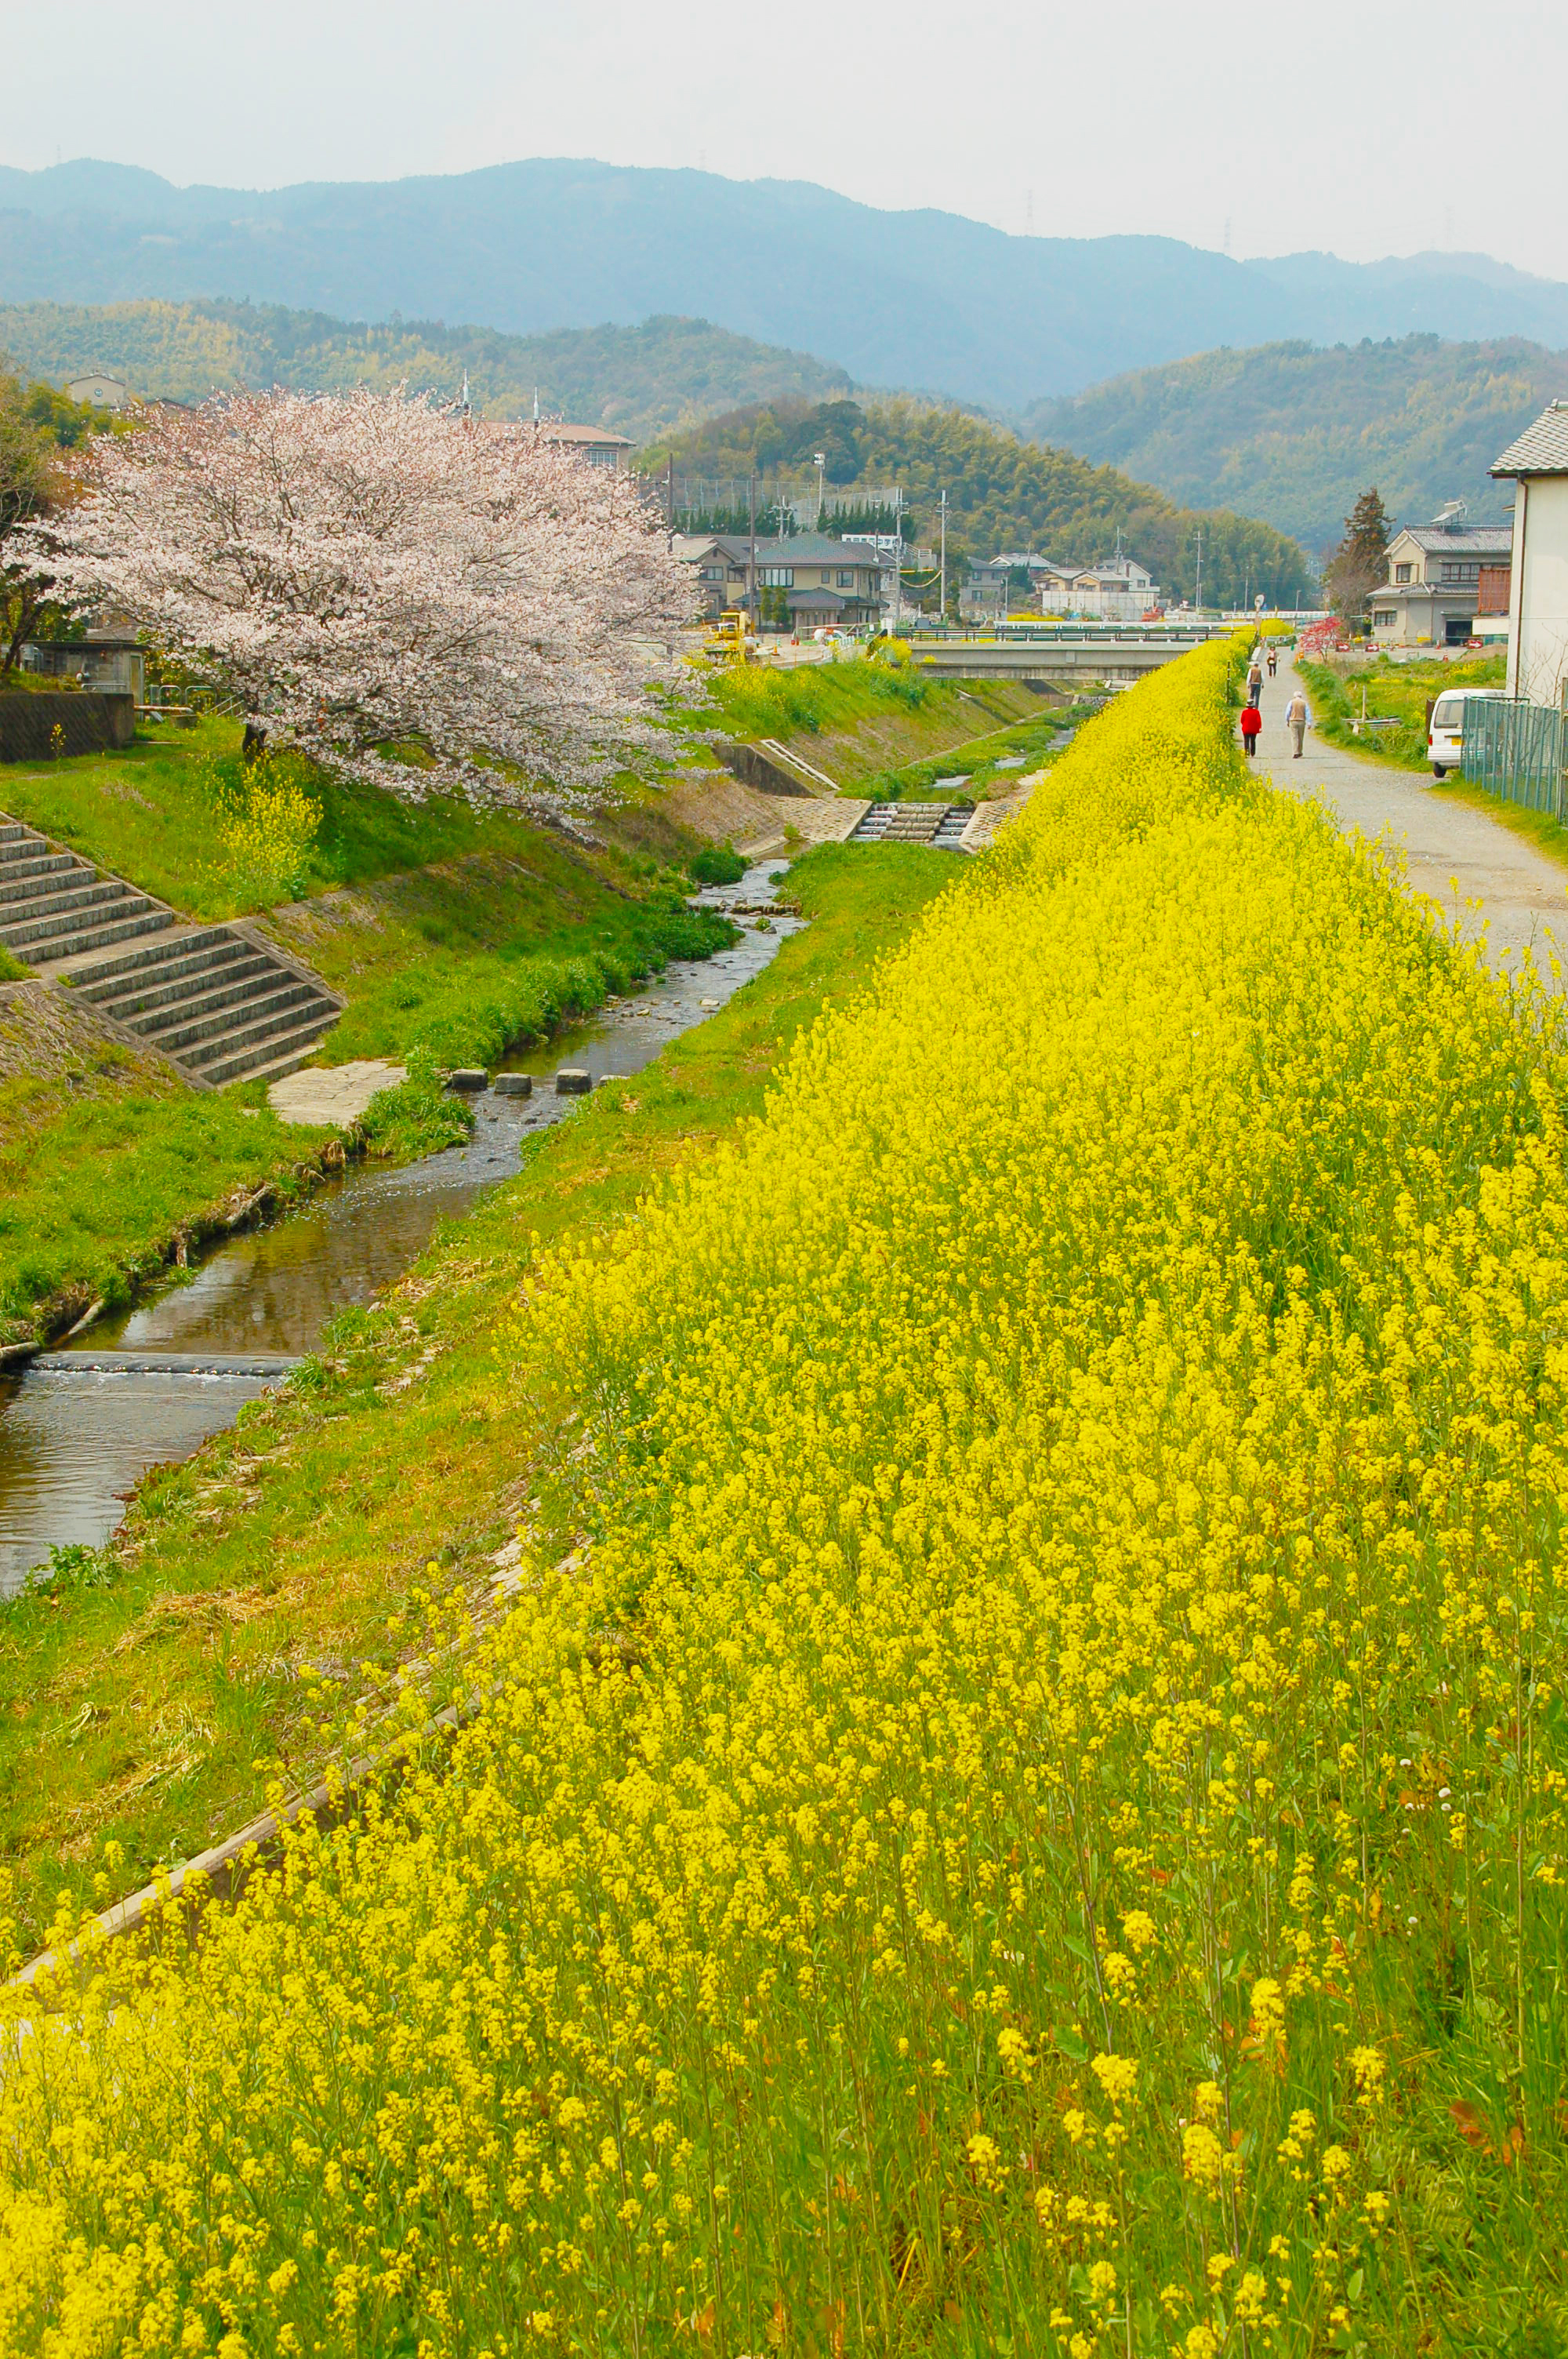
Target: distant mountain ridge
(637,380)
(921,299)
(1292,434)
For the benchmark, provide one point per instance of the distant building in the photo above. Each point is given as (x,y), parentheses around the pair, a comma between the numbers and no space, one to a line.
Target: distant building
(821,581)
(597,444)
(104,392)
(1433,594)
(1119,591)
(1537,589)
(110,657)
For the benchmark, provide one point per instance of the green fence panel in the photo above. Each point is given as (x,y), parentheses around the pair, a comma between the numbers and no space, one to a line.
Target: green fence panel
(1514,750)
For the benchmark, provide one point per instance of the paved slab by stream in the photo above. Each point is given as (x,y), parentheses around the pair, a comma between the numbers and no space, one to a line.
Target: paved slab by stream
(333,1094)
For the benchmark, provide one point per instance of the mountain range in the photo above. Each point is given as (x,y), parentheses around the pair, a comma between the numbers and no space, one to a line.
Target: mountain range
(925,299)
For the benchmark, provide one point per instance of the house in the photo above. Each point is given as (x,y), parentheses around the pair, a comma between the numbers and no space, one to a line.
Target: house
(103,391)
(822,581)
(1434,590)
(1120,591)
(597,444)
(109,658)
(988,593)
(1538,590)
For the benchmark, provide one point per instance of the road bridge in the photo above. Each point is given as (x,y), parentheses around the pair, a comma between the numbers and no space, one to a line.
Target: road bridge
(1065,655)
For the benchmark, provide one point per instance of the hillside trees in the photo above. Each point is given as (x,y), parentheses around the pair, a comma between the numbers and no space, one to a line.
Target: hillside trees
(393,588)
(1001,493)
(28,481)
(1360,561)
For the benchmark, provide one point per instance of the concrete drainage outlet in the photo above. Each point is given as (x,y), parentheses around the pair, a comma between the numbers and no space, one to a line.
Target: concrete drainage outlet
(572,1081)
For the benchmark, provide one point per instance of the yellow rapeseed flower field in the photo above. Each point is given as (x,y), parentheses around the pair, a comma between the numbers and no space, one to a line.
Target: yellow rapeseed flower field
(1032,1819)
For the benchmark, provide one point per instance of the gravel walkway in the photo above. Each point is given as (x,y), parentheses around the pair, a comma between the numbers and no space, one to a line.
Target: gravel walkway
(1522,893)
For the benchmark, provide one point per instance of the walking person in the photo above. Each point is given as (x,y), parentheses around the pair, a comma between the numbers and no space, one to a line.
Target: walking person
(1296,719)
(1251,723)
(1273,662)
(1254,679)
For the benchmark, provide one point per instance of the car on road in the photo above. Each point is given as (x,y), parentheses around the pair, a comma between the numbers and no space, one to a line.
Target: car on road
(1445,730)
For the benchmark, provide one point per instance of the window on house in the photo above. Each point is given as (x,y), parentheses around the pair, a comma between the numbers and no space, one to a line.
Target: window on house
(1384,620)
(1453,571)
(778,577)
(846,580)
(1401,573)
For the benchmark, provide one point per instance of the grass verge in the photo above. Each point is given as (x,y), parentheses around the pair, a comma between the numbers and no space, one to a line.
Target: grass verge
(1397,692)
(146,1695)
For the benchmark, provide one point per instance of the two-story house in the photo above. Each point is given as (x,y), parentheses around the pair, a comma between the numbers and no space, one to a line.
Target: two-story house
(1435,587)
(1536,465)
(1120,591)
(818,581)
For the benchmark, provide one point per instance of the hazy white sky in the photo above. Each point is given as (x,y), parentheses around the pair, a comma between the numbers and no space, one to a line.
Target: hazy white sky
(1369,130)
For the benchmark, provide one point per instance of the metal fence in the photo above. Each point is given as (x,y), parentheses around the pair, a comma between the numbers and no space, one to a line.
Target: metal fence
(1515,750)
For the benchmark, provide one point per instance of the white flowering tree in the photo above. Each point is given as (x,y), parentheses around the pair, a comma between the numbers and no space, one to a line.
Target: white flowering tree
(369,572)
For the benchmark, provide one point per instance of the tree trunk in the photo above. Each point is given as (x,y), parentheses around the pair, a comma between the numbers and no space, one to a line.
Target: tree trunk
(252,745)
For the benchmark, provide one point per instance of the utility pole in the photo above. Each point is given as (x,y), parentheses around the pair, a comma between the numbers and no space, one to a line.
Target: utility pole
(942,600)
(1197,596)
(897,557)
(820,462)
(752,553)
(670,500)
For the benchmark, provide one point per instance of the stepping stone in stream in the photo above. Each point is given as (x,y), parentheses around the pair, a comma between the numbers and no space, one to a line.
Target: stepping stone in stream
(513,1085)
(573,1081)
(468,1078)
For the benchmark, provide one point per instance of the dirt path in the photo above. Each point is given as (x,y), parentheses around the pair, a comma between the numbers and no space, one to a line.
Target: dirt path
(1522,893)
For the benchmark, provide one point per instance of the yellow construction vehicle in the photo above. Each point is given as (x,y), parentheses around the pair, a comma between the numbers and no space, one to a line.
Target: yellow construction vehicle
(730,639)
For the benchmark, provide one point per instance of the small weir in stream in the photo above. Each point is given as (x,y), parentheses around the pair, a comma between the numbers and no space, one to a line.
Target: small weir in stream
(79,1426)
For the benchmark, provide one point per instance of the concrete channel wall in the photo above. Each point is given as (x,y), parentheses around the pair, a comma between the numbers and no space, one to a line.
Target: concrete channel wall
(90,720)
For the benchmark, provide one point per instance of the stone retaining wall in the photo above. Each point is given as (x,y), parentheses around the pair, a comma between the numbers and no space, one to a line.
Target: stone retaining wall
(89,720)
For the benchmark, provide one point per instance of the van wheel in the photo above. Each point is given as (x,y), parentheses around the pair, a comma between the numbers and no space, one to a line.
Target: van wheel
(1438,771)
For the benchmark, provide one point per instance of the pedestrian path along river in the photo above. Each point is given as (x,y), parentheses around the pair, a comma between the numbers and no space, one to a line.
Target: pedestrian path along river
(1522,894)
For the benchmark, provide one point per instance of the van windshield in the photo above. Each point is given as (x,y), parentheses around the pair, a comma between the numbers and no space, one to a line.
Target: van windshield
(1448,712)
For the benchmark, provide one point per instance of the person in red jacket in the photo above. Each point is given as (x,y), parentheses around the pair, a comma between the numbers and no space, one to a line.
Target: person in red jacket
(1251,723)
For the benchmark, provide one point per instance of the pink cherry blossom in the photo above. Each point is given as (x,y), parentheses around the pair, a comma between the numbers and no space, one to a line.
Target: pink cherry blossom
(368,572)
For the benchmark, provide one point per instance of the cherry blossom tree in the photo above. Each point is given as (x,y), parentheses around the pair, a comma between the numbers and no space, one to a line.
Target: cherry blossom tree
(369,572)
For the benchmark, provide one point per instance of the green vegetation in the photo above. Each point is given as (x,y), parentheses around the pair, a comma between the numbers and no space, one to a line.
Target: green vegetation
(633,381)
(108,1166)
(144,1698)
(860,720)
(1026,747)
(716,864)
(1290,433)
(155,812)
(1546,834)
(1002,492)
(1396,691)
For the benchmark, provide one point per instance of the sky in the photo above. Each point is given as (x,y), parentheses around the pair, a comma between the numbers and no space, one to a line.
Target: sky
(1257,130)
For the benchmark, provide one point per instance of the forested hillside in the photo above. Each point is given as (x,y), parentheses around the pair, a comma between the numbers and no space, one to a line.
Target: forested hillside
(1292,434)
(637,380)
(1002,492)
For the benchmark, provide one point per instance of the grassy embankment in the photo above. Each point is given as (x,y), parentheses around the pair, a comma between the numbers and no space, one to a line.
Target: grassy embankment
(859,721)
(1396,692)
(141,1700)
(449,932)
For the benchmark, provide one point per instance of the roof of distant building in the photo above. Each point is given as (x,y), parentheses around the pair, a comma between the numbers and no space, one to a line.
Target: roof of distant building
(1542,448)
(799,549)
(583,437)
(1471,539)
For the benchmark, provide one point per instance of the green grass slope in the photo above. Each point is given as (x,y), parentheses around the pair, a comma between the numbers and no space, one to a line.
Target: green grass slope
(1002,492)
(1292,434)
(635,380)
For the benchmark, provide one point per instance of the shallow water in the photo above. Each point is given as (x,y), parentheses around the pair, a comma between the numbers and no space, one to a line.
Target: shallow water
(74,1440)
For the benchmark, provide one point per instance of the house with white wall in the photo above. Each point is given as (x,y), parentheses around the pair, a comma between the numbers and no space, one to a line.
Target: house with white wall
(1434,593)
(1538,593)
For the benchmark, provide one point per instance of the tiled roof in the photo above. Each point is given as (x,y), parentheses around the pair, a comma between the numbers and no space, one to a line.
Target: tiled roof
(1464,540)
(1542,448)
(599,438)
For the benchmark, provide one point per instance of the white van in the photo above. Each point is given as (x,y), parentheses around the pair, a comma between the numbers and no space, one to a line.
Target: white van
(1445,730)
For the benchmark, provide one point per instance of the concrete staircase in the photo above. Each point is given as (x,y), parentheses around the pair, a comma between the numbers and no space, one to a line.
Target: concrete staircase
(219,1001)
(941,824)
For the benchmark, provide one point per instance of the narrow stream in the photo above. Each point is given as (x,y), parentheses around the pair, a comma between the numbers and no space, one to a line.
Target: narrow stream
(79,1427)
